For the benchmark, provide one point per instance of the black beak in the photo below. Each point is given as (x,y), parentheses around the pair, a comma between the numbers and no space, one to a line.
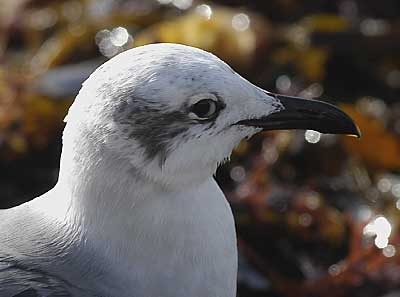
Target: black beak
(306,114)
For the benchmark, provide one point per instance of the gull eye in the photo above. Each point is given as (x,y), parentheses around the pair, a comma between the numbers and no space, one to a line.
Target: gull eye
(205,109)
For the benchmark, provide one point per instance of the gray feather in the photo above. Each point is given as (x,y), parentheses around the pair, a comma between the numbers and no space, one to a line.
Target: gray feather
(16,280)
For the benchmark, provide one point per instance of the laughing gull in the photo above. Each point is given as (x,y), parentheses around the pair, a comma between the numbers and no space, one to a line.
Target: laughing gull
(136,211)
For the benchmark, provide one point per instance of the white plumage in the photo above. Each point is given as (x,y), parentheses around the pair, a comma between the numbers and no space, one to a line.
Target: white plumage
(123,219)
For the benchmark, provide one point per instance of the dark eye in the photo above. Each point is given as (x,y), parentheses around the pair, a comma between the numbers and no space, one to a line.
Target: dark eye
(205,109)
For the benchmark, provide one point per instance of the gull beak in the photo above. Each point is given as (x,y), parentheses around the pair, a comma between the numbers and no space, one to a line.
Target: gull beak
(299,113)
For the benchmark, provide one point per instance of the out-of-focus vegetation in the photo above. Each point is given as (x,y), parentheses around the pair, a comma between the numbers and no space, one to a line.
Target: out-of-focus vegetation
(317,215)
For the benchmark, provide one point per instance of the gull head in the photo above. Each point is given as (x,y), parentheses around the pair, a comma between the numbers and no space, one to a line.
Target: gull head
(173,113)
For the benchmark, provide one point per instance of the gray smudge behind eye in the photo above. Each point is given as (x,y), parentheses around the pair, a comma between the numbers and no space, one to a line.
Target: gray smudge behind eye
(151,125)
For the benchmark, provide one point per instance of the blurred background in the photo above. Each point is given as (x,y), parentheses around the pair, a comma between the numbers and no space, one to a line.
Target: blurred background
(317,215)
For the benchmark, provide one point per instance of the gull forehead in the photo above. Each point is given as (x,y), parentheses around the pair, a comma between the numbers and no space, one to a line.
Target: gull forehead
(160,65)
(167,74)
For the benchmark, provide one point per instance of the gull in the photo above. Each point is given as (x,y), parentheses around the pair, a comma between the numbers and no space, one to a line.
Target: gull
(136,211)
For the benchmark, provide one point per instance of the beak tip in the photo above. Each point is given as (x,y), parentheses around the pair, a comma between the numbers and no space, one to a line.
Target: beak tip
(357,132)
(348,129)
